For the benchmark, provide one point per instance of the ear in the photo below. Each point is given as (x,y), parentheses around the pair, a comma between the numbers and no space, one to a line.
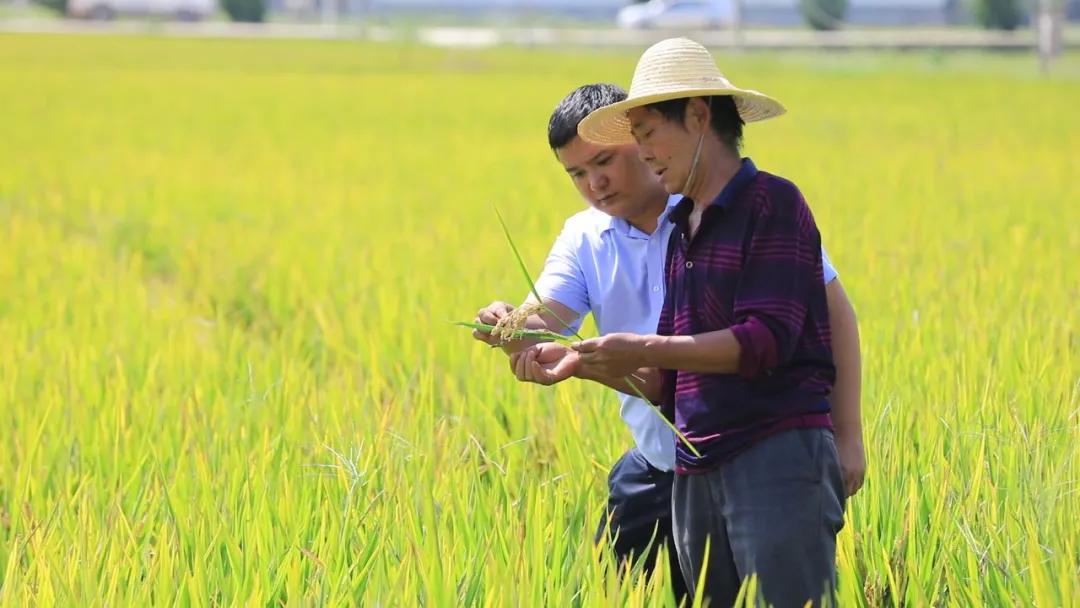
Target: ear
(697,115)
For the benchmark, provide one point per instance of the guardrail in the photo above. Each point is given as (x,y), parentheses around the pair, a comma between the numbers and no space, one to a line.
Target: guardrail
(766,39)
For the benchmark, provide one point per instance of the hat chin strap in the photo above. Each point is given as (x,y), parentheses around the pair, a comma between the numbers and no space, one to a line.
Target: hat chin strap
(697,157)
(693,167)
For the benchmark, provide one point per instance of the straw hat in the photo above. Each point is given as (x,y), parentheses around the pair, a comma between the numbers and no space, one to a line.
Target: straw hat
(672,69)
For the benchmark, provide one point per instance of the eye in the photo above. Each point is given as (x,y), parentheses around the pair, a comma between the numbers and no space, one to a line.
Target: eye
(603,162)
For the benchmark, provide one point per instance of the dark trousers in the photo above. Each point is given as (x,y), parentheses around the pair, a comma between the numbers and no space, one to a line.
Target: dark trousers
(773,511)
(639,513)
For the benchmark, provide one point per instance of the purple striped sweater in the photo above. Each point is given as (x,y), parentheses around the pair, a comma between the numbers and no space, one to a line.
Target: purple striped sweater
(754,267)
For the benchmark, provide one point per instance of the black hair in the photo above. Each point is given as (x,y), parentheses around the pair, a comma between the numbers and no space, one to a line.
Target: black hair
(563,124)
(726,121)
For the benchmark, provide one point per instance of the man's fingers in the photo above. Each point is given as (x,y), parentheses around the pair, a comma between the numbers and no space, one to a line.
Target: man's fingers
(855,484)
(529,360)
(486,338)
(853,481)
(586,346)
(541,375)
(585,367)
(519,366)
(595,360)
(562,369)
(565,367)
(535,371)
(493,312)
(524,363)
(526,366)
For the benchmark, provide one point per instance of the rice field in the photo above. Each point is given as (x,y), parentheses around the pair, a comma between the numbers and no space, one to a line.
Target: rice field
(228,374)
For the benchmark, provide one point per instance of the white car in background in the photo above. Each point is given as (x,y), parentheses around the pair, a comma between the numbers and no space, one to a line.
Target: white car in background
(181,10)
(677,14)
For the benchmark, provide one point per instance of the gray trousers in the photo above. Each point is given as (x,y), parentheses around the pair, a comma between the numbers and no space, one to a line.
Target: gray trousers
(773,511)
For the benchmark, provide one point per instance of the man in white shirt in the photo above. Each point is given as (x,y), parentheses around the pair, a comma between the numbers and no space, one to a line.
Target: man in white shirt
(609,260)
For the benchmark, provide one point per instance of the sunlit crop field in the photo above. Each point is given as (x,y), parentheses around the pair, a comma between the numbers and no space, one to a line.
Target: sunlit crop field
(228,374)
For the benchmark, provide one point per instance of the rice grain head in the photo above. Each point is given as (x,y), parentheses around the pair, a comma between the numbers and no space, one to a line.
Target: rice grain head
(515,321)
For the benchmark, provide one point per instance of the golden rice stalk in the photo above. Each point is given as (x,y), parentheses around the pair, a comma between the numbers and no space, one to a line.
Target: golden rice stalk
(510,325)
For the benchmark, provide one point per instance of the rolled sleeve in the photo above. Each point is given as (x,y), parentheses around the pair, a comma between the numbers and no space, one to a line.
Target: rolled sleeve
(757,347)
(782,264)
(562,279)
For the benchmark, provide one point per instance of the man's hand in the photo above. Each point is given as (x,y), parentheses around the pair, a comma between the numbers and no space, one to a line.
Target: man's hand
(852,462)
(611,356)
(547,363)
(490,315)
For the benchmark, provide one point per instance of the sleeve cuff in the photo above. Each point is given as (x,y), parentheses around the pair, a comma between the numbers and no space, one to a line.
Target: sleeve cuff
(757,348)
(827,267)
(563,294)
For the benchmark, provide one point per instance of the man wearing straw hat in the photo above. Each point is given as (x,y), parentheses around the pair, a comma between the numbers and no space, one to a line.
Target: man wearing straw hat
(742,357)
(589,241)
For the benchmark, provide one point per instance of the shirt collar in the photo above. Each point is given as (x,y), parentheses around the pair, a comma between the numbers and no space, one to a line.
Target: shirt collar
(626,229)
(746,173)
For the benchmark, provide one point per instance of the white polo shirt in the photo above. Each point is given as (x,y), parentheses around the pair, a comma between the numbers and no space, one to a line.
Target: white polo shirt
(603,265)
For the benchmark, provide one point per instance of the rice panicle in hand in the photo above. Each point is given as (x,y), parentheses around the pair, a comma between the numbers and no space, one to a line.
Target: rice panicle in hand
(507,327)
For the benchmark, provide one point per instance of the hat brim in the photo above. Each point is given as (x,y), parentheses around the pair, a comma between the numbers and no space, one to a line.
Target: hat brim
(609,126)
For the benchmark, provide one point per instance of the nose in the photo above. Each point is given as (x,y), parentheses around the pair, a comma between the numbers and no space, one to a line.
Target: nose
(598,181)
(645,153)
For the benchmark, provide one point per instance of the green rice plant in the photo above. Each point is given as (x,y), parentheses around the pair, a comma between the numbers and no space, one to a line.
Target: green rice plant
(628,380)
(520,334)
(218,267)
